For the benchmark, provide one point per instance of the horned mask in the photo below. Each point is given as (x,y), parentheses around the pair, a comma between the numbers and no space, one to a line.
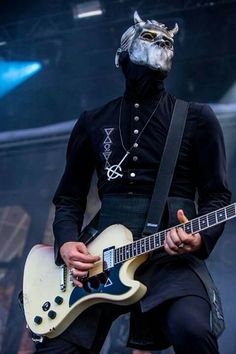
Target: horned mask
(148,43)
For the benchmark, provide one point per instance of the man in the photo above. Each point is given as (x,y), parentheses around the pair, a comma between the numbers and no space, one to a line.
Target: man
(124,141)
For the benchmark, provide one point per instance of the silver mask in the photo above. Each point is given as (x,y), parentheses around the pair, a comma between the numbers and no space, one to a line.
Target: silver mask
(148,43)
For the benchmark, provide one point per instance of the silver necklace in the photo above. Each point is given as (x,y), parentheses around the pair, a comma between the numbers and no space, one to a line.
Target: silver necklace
(115,171)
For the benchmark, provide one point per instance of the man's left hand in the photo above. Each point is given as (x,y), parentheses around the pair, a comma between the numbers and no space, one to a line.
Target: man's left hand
(178,241)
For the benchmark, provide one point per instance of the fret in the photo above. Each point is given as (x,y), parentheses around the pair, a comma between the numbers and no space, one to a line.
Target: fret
(119,254)
(188,228)
(156,240)
(149,243)
(220,214)
(212,218)
(143,246)
(127,252)
(230,211)
(139,247)
(135,248)
(152,242)
(146,244)
(131,250)
(123,253)
(133,245)
(195,225)
(203,222)
(162,237)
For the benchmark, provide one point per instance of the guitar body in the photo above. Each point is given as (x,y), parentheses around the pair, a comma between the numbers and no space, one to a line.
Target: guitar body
(49,310)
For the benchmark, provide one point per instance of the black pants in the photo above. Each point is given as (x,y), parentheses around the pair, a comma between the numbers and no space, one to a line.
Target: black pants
(185,322)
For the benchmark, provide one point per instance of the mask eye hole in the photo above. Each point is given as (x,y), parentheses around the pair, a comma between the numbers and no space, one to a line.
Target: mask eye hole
(168,44)
(148,36)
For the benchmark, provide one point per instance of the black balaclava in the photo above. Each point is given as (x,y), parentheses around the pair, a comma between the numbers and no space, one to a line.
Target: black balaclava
(141,81)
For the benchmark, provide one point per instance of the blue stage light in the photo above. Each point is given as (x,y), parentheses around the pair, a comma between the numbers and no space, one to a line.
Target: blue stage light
(12,74)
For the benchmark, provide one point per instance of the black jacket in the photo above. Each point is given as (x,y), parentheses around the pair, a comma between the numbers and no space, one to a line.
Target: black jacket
(100,139)
(96,143)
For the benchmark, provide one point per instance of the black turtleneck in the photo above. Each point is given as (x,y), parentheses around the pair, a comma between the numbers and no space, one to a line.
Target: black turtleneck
(102,136)
(141,82)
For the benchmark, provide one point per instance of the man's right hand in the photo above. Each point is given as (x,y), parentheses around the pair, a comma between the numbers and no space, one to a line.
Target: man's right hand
(78,260)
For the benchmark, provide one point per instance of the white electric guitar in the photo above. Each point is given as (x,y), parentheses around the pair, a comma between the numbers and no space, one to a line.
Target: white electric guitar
(51,301)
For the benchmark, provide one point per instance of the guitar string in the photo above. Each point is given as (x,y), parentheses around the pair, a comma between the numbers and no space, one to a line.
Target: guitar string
(229,209)
(161,235)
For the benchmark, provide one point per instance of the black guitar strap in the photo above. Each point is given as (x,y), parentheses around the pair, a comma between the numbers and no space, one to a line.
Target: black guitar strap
(167,166)
(90,232)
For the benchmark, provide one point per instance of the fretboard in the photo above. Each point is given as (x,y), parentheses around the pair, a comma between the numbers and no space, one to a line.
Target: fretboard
(156,241)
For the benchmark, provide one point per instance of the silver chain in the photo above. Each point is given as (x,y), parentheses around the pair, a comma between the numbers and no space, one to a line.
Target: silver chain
(115,171)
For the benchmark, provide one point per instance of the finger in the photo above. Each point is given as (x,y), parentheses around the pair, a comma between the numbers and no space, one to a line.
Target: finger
(171,243)
(168,250)
(82,266)
(187,239)
(85,258)
(173,234)
(78,273)
(183,236)
(194,242)
(187,249)
(191,242)
(78,283)
(181,216)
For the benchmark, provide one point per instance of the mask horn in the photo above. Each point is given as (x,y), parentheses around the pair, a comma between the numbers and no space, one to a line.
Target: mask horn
(137,18)
(174,30)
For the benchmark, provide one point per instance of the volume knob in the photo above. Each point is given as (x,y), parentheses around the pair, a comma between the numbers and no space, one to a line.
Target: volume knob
(38,320)
(58,300)
(52,314)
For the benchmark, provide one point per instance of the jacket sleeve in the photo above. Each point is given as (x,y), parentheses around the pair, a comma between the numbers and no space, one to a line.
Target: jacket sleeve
(71,195)
(211,174)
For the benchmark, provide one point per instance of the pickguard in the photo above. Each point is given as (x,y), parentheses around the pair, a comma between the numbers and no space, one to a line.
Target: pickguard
(108,282)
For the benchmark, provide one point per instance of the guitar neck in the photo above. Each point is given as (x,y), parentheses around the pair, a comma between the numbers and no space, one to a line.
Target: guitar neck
(156,241)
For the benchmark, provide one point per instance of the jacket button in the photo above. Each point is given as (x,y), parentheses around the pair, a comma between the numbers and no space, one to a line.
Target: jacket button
(136,118)
(132,174)
(135,158)
(135,145)
(136,131)
(136,105)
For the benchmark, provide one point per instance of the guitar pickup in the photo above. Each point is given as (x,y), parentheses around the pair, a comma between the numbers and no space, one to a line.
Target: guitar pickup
(108,258)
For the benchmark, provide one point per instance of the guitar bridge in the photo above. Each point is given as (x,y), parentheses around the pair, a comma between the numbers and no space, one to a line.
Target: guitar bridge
(108,258)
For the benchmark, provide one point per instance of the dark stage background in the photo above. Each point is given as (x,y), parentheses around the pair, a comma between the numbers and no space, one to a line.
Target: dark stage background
(74,71)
